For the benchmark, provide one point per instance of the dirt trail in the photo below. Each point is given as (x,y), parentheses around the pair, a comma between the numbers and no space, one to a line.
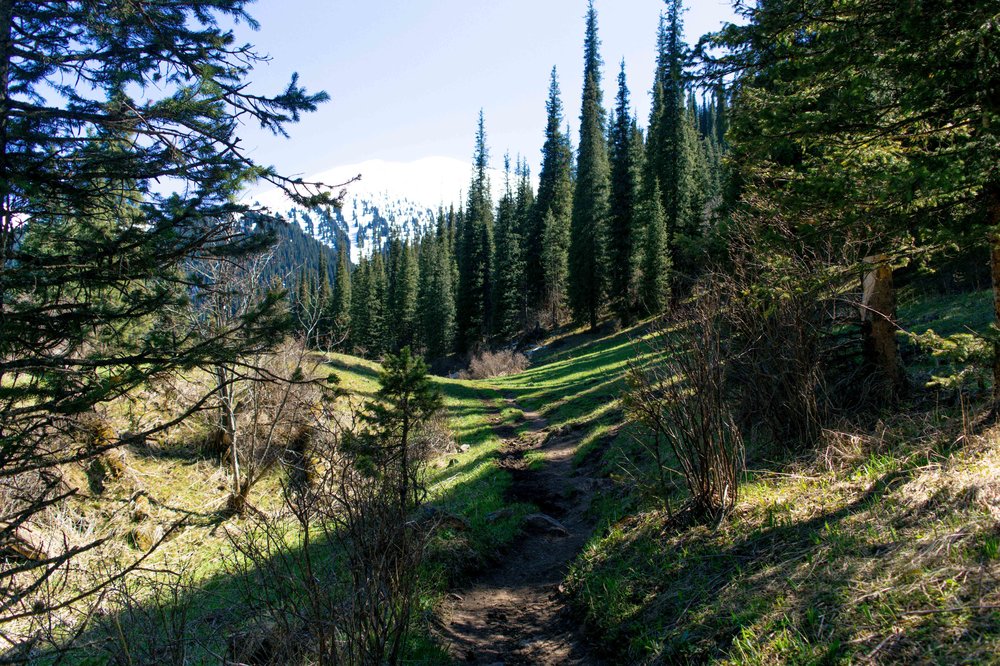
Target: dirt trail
(516,613)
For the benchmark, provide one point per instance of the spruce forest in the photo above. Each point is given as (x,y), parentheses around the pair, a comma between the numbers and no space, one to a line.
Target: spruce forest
(720,384)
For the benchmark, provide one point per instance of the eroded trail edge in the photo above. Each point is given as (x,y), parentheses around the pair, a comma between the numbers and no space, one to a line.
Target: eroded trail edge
(516,612)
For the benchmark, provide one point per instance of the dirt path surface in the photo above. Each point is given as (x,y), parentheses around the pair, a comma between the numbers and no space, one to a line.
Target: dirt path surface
(515,613)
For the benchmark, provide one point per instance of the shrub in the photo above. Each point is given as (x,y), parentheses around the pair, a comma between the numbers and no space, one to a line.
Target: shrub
(681,400)
(488,364)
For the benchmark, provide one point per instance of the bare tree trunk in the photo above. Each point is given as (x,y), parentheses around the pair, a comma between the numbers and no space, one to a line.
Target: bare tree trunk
(878,323)
(227,422)
(992,194)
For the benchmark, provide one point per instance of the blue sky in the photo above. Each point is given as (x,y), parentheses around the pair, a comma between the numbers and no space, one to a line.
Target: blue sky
(407,77)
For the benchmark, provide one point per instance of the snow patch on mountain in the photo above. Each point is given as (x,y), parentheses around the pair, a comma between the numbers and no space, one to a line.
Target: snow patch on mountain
(390,196)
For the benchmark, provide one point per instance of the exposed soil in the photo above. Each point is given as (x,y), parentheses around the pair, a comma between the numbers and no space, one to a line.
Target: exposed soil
(516,612)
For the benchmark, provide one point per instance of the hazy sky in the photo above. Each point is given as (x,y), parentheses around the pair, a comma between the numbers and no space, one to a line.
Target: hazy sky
(407,77)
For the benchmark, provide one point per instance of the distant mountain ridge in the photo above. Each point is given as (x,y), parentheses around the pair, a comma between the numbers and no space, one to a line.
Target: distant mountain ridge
(391,196)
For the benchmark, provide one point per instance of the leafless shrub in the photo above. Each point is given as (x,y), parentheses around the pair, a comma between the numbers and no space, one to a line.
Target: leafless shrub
(268,403)
(487,364)
(434,437)
(681,399)
(153,627)
(779,310)
(342,590)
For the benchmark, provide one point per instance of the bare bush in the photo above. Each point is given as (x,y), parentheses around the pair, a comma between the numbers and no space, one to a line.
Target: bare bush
(779,311)
(487,364)
(681,399)
(151,628)
(343,592)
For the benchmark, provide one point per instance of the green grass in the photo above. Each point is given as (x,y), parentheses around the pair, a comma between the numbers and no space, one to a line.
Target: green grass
(881,542)
(948,314)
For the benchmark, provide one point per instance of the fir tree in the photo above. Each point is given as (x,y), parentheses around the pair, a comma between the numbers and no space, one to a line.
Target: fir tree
(340,303)
(624,230)
(524,205)
(587,259)
(437,296)
(360,312)
(547,242)
(509,266)
(476,256)
(655,283)
(100,105)
(324,326)
(378,338)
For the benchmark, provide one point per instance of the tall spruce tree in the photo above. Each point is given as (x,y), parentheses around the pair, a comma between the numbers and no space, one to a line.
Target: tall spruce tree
(508,281)
(654,290)
(624,226)
(476,258)
(524,208)
(675,157)
(322,336)
(340,303)
(438,307)
(547,241)
(360,313)
(588,228)
(119,155)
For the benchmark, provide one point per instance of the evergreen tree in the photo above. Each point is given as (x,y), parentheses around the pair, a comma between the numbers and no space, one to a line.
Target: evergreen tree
(588,228)
(340,303)
(401,294)
(624,227)
(524,210)
(509,266)
(675,157)
(547,242)
(378,339)
(103,107)
(437,296)
(324,326)
(655,283)
(404,312)
(476,256)
(360,312)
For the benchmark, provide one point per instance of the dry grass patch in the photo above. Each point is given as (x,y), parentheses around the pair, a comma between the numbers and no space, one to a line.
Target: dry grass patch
(882,547)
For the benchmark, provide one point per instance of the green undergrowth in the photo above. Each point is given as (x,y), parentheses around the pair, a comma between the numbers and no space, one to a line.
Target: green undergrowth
(879,545)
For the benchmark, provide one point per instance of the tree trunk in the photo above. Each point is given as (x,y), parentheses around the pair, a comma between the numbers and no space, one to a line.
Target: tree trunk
(878,324)
(227,423)
(992,195)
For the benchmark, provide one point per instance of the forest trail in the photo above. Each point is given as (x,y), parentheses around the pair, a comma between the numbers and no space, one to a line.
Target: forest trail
(515,612)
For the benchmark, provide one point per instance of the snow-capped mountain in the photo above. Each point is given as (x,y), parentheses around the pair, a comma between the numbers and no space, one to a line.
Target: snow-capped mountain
(401,196)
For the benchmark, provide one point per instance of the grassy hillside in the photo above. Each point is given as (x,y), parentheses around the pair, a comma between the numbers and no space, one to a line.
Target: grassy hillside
(881,543)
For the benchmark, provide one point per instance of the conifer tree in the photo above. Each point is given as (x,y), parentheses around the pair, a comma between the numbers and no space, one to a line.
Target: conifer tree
(378,338)
(588,228)
(524,205)
(674,154)
(547,242)
(324,326)
(401,294)
(119,155)
(340,302)
(476,257)
(437,296)
(509,265)
(360,312)
(624,227)
(655,283)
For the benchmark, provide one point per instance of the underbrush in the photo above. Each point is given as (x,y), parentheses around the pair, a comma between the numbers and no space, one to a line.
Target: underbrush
(882,545)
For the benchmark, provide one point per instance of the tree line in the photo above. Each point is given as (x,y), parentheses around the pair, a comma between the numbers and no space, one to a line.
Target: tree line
(618,226)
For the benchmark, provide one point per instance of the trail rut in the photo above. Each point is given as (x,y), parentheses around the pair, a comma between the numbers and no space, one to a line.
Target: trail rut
(516,612)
